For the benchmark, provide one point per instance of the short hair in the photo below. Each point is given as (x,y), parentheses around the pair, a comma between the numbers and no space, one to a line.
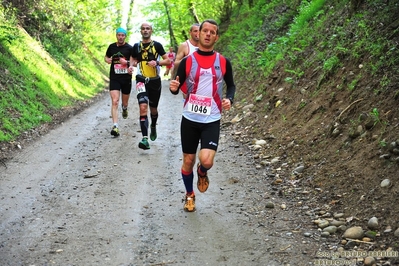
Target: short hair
(194,25)
(211,21)
(146,22)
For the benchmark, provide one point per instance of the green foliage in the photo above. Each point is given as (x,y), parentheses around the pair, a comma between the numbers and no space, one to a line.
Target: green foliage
(294,32)
(182,15)
(352,85)
(282,46)
(247,47)
(298,37)
(63,61)
(33,82)
(289,80)
(375,115)
(382,143)
(308,10)
(7,31)
(302,104)
(298,73)
(331,63)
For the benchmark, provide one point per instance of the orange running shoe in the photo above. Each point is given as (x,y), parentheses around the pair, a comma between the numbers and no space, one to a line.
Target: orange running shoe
(189,203)
(203,181)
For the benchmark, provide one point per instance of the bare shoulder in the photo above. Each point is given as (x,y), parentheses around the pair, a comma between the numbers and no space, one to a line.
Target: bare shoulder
(182,46)
(182,50)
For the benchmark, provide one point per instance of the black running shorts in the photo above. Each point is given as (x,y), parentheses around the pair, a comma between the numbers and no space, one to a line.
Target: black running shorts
(125,86)
(193,133)
(152,94)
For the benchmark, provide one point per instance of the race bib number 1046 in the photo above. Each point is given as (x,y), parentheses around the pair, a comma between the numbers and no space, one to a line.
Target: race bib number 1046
(198,104)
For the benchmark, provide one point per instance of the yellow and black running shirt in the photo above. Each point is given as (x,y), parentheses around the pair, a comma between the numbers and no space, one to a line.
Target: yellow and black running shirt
(145,52)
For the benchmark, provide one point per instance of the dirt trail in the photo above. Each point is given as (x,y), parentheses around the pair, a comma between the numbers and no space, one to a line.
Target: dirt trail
(78,196)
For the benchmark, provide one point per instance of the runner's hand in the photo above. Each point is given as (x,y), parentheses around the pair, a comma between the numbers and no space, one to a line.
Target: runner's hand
(174,85)
(123,61)
(226,104)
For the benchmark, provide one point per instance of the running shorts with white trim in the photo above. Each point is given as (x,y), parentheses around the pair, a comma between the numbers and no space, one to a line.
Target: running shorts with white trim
(153,88)
(193,133)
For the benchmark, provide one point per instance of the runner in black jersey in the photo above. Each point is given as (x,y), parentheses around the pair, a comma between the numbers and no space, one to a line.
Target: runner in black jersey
(119,56)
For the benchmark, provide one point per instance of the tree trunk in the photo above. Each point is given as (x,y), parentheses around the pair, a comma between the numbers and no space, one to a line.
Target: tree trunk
(173,41)
(191,8)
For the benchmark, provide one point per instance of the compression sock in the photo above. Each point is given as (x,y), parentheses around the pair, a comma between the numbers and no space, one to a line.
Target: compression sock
(188,178)
(154,119)
(202,170)
(144,125)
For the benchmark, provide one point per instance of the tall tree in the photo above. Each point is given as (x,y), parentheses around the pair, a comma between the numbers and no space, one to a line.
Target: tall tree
(191,8)
(130,15)
(173,41)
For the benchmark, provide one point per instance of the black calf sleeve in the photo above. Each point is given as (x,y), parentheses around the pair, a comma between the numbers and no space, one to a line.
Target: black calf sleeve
(154,119)
(144,125)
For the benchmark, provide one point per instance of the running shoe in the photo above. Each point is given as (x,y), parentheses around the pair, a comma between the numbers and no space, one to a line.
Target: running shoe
(124,113)
(143,144)
(115,131)
(189,203)
(203,181)
(153,134)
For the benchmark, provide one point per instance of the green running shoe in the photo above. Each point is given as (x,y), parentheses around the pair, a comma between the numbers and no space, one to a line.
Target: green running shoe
(153,134)
(124,113)
(115,131)
(143,144)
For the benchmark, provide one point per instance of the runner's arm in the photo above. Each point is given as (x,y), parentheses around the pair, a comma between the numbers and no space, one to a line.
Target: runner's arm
(181,53)
(228,78)
(166,61)
(181,73)
(107,59)
(135,55)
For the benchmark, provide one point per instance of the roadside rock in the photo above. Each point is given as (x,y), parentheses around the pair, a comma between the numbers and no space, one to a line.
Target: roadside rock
(355,232)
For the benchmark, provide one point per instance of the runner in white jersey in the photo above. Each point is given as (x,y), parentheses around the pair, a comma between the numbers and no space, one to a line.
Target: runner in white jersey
(202,77)
(188,47)
(191,48)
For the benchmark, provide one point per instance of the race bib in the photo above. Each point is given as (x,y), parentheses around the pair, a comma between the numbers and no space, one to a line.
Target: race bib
(140,87)
(120,69)
(198,104)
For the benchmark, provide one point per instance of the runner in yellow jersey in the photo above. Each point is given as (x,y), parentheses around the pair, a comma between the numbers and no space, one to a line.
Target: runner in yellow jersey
(148,56)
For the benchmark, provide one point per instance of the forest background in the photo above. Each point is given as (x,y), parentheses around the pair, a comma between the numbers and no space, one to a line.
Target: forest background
(317,79)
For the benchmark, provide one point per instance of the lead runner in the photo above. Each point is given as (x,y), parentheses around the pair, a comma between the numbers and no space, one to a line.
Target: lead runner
(200,77)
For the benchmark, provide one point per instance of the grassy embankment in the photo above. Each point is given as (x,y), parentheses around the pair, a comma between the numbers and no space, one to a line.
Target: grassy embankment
(34,83)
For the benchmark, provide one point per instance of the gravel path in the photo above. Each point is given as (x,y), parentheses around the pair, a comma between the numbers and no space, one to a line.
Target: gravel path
(78,196)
